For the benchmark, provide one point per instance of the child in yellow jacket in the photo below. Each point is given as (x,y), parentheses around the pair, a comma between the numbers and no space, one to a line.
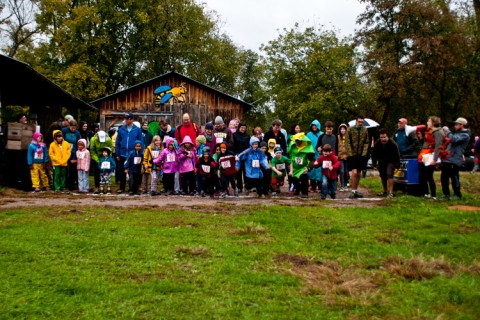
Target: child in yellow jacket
(150,169)
(59,153)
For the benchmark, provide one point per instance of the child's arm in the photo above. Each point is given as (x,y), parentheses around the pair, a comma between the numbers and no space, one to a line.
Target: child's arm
(291,169)
(87,159)
(317,163)
(335,163)
(30,157)
(113,165)
(46,158)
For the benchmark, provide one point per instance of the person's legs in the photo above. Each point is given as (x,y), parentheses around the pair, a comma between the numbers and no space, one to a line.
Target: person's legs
(332,187)
(304,184)
(176,181)
(122,174)
(43,177)
(431,182)
(259,186)
(324,187)
(445,176)
(34,176)
(239,177)
(422,178)
(273,182)
(296,184)
(62,177)
(456,180)
(153,181)
(191,182)
(96,174)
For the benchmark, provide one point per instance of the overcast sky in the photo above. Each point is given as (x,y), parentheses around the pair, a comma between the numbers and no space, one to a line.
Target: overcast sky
(251,23)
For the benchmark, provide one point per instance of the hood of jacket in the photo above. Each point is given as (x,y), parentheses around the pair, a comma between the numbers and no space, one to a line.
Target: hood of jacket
(84,143)
(306,145)
(168,140)
(274,145)
(317,123)
(187,140)
(55,132)
(253,140)
(340,127)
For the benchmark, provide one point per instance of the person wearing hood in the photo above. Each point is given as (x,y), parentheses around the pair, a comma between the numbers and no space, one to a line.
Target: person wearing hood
(133,167)
(72,135)
(222,133)
(59,152)
(127,136)
(429,156)
(187,158)
(342,157)
(151,170)
(241,142)
(83,166)
(254,159)
(147,135)
(200,144)
(169,163)
(315,174)
(302,156)
(205,167)
(37,159)
(356,145)
(165,130)
(83,129)
(227,169)
(451,165)
(97,144)
(269,155)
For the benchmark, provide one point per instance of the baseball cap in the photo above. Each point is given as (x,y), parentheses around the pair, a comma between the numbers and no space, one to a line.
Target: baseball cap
(403,120)
(68,118)
(128,116)
(462,121)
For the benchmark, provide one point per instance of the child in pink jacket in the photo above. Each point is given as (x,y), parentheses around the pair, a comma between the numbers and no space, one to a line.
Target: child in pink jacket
(169,160)
(187,158)
(83,166)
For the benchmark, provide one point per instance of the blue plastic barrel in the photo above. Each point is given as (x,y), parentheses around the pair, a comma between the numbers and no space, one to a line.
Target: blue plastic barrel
(408,172)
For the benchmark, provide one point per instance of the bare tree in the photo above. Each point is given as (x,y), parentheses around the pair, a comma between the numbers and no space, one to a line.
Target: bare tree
(17,24)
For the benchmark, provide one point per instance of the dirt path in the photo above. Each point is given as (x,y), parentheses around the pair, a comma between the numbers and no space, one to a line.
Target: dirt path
(11,199)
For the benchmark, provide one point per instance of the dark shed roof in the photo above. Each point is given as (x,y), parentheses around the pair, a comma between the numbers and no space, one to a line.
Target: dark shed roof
(22,85)
(166,75)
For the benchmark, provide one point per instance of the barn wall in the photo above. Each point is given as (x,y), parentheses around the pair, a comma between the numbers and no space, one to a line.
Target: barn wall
(202,105)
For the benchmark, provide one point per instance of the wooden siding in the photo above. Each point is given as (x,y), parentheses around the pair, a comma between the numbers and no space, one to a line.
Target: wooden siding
(203,105)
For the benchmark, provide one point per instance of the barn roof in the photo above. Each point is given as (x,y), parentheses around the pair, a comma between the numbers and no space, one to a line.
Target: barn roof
(166,75)
(22,85)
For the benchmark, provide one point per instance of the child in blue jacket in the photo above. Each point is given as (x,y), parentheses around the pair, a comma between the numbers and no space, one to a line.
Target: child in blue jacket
(254,159)
(133,167)
(37,158)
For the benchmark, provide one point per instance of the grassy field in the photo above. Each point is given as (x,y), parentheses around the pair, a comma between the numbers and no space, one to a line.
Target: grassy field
(405,258)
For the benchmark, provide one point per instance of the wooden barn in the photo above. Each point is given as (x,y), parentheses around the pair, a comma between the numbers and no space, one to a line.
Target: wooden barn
(169,96)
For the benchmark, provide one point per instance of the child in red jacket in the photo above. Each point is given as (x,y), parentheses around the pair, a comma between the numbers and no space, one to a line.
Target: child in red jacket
(330,165)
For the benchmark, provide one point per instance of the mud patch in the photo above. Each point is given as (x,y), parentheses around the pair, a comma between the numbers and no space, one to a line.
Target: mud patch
(199,251)
(466,229)
(464,208)
(64,213)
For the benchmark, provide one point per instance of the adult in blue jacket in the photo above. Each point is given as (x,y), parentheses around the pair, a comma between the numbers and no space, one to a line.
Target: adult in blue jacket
(254,159)
(126,137)
(315,175)
(451,166)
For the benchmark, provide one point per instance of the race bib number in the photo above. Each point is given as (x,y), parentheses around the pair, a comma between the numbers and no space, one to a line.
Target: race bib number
(280,166)
(219,140)
(256,163)
(170,158)
(81,156)
(299,160)
(155,154)
(226,165)
(105,165)
(38,156)
(137,160)
(327,164)
(206,169)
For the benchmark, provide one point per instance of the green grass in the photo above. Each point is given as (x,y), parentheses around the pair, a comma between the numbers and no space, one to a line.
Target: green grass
(103,263)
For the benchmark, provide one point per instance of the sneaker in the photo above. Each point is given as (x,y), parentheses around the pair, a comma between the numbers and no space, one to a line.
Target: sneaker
(144,192)
(236,193)
(37,190)
(427,196)
(240,190)
(382,194)
(455,197)
(304,196)
(391,195)
(223,195)
(274,194)
(333,196)
(434,198)
(352,195)
(444,197)
(101,193)
(290,191)
(131,193)
(153,193)
(323,198)
(202,194)
(109,192)
(47,189)
(247,192)
(262,196)
(358,195)
(119,191)
(95,191)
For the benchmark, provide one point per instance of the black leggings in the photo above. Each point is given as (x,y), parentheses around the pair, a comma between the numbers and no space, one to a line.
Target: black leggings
(301,184)
(425,177)
(169,181)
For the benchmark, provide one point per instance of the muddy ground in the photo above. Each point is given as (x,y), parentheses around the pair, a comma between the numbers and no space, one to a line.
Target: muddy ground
(11,198)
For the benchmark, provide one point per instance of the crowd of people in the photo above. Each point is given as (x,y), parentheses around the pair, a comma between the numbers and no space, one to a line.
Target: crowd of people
(223,160)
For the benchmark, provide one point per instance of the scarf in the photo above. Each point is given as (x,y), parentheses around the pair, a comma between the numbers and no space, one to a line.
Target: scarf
(208,137)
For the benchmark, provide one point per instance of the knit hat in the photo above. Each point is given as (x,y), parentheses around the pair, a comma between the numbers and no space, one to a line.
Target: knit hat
(206,150)
(209,126)
(263,144)
(36,135)
(278,150)
(201,139)
(219,120)
(223,145)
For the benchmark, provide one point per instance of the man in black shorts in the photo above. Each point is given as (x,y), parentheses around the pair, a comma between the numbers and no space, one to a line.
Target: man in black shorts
(386,153)
(356,146)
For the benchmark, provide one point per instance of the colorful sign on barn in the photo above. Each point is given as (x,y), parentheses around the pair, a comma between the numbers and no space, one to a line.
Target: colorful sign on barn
(171,95)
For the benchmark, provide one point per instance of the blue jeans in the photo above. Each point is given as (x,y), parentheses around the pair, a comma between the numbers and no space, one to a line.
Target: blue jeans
(329,186)
(343,173)
(83,183)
